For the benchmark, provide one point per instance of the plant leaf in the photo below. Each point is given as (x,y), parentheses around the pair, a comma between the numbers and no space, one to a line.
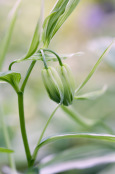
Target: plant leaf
(6,41)
(98,45)
(5,150)
(84,122)
(83,159)
(91,95)
(58,16)
(37,34)
(11,77)
(94,68)
(35,42)
(106,137)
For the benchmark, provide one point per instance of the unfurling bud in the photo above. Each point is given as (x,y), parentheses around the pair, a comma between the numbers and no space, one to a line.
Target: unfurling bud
(68,83)
(53,84)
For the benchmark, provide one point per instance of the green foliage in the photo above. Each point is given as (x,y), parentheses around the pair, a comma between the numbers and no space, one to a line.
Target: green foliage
(11,77)
(4,150)
(91,95)
(94,68)
(59,84)
(6,41)
(57,17)
(78,156)
(35,42)
(110,138)
(32,171)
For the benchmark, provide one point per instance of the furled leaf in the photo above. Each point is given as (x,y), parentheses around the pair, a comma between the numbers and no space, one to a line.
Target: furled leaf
(11,77)
(6,41)
(4,150)
(94,68)
(57,17)
(91,95)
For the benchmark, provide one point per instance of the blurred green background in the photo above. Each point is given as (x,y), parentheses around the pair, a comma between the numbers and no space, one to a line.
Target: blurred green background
(89,29)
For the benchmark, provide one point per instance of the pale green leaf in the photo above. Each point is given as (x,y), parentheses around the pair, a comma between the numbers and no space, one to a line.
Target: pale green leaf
(11,77)
(85,122)
(5,150)
(106,137)
(37,34)
(82,156)
(91,95)
(94,68)
(6,41)
(58,16)
(35,42)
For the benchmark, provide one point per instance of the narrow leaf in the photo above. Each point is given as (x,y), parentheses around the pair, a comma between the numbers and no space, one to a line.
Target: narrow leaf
(35,42)
(58,16)
(4,150)
(11,77)
(37,34)
(106,137)
(6,41)
(91,95)
(83,156)
(94,68)
(84,122)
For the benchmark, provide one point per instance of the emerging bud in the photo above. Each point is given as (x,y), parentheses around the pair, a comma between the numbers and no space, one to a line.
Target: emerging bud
(68,83)
(53,84)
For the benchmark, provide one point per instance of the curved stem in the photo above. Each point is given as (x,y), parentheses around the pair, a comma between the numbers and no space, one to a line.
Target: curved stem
(42,134)
(27,75)
(59,59)
(44,60)
(23,128)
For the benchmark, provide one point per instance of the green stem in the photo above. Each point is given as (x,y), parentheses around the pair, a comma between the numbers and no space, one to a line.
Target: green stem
(27,75)
(7,140)
(44,60)
(59,59)
(42,134)
(23,128)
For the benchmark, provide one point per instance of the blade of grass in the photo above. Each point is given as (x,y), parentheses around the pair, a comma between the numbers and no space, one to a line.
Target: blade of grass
(77,117)
(91,95)
(6,41)
(86,123)
(94,68)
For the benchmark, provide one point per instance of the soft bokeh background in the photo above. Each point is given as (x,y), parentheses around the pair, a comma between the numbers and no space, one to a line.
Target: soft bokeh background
(89,29)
